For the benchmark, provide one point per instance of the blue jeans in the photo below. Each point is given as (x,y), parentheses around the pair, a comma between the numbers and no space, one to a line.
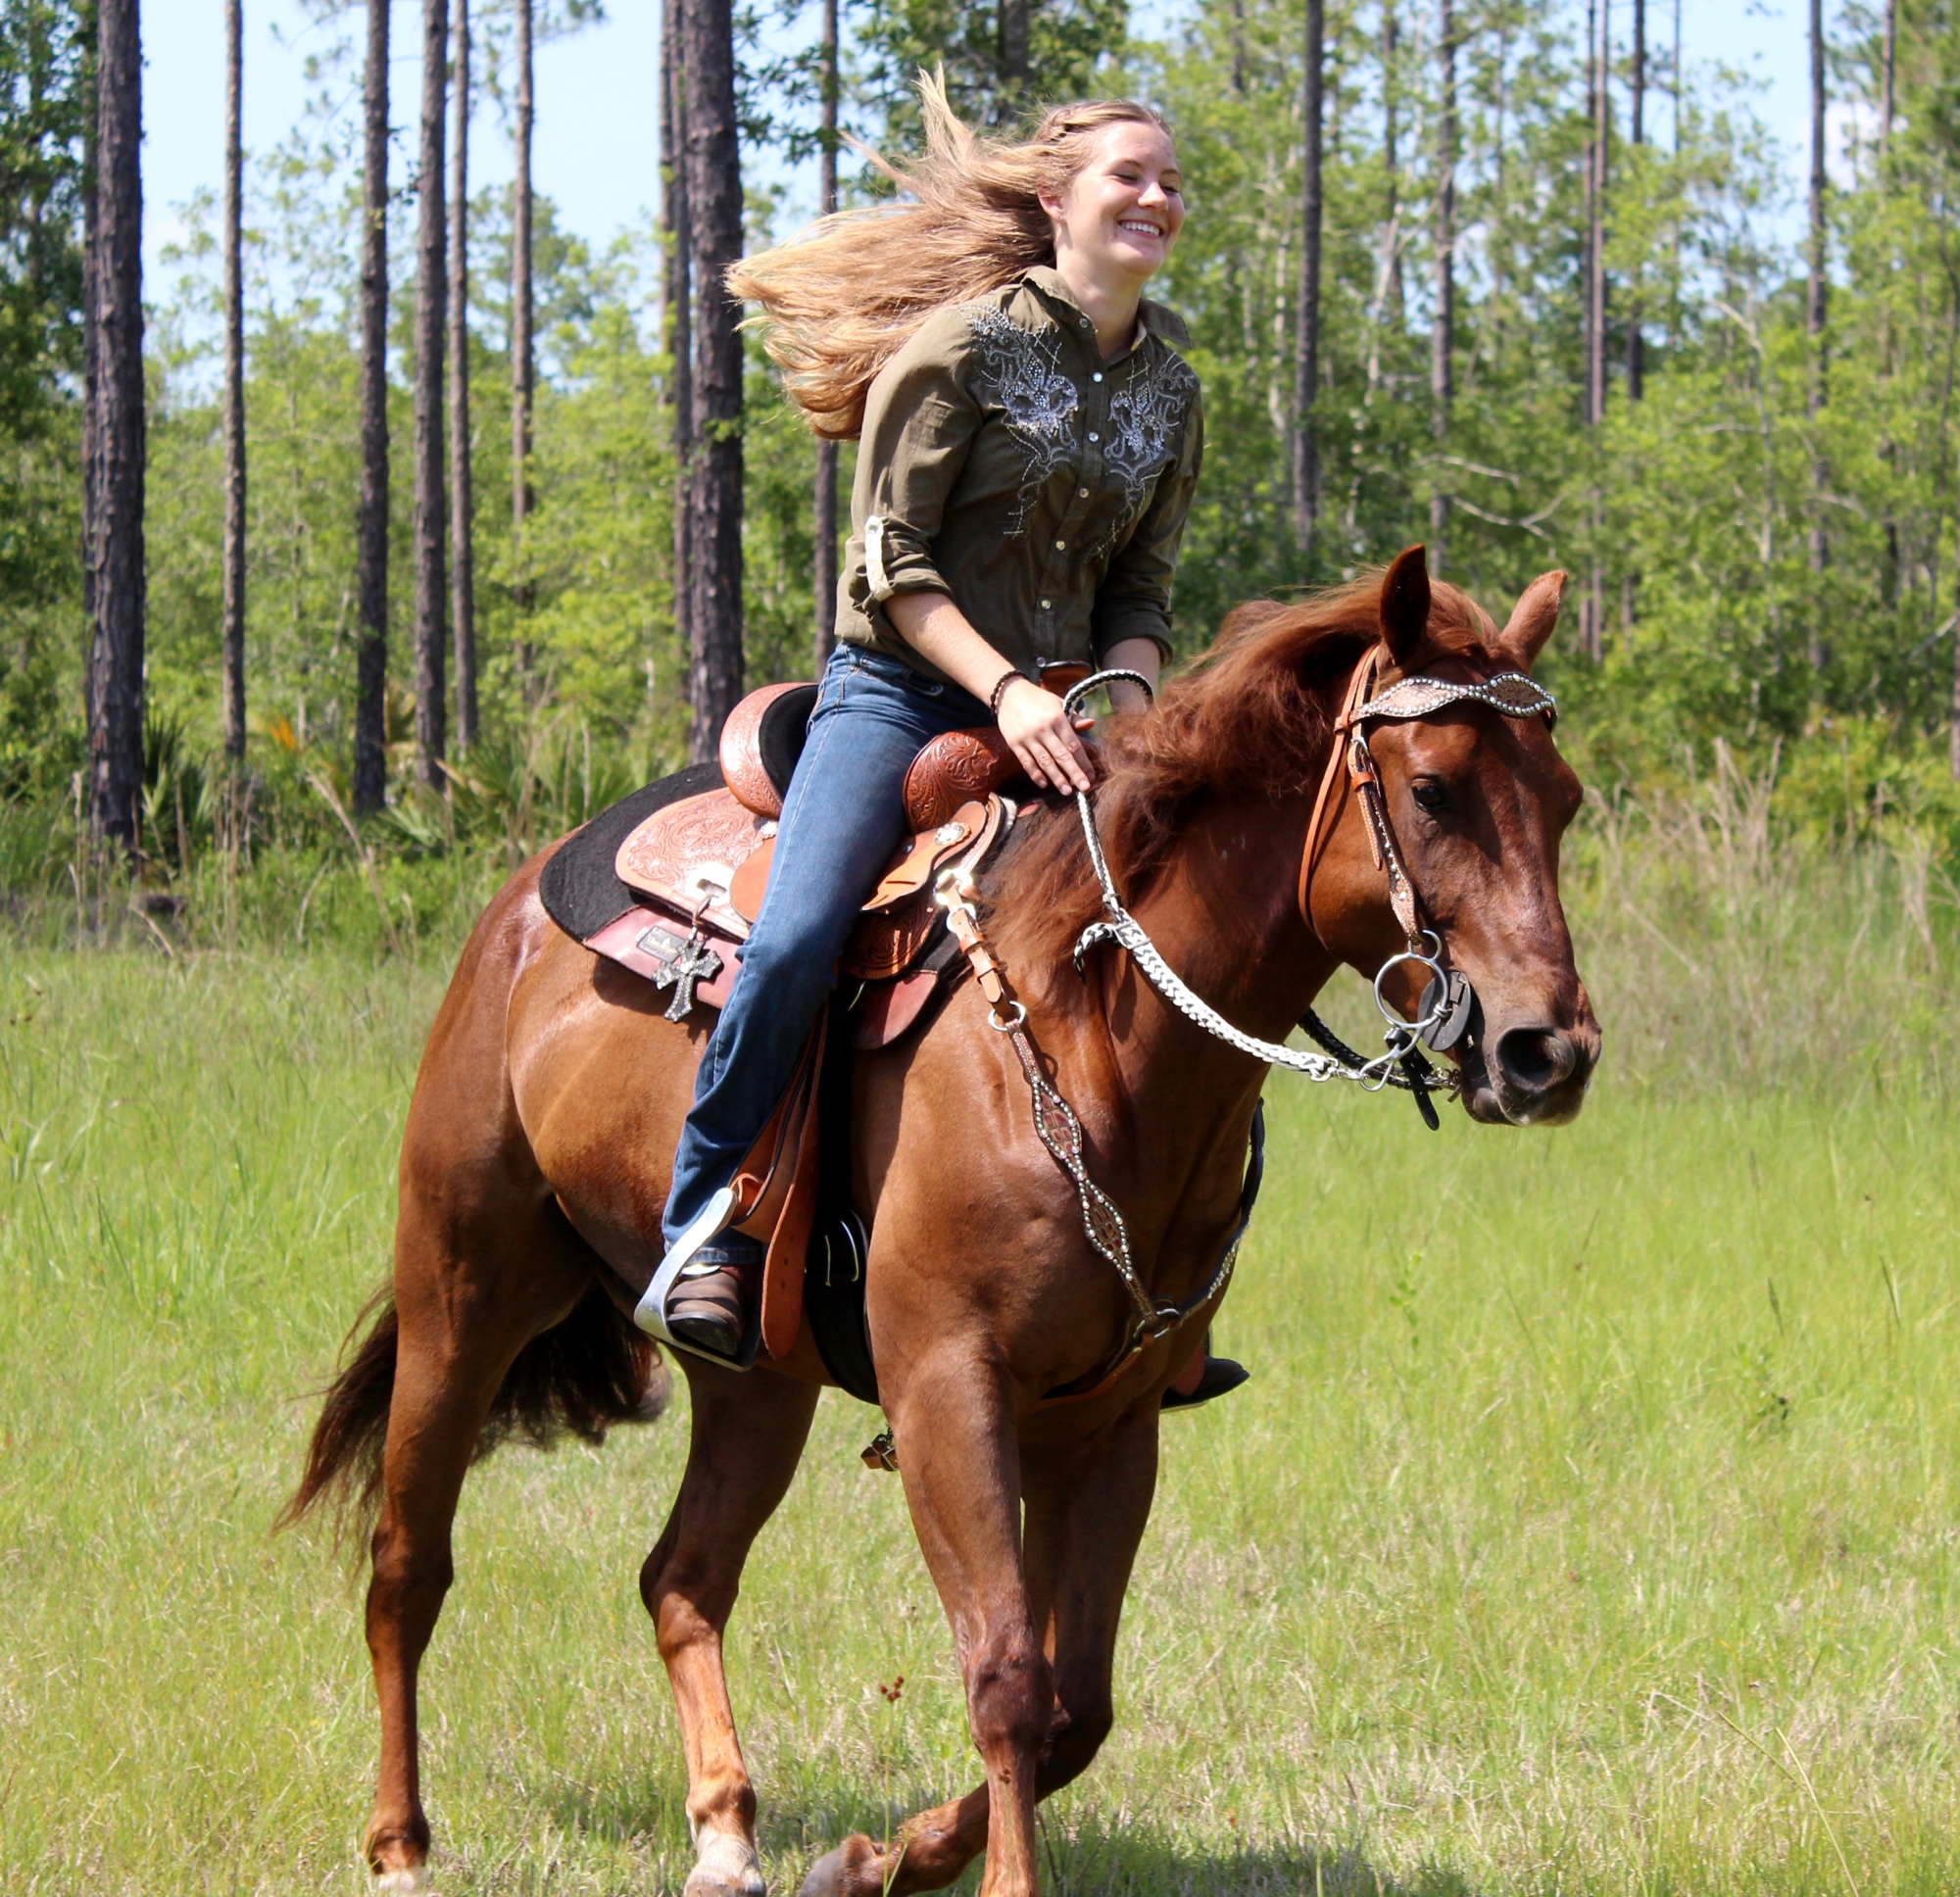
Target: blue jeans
(843,819)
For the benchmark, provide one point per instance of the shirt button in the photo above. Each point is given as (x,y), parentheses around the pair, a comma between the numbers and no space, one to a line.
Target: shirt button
(1061,545)
(1048,605)
(1093,436)
(1085,322)
(1098,376)
(1082,493)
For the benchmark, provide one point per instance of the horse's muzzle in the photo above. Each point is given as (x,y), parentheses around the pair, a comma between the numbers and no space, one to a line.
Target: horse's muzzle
(1530,1073)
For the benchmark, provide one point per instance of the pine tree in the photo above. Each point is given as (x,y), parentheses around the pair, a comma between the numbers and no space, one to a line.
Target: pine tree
(461,483)
(714,489)
(232,687)
(370,709)
(825,522)
(432,324)
(117,551)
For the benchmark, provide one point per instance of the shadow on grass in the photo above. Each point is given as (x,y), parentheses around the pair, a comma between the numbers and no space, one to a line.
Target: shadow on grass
(1137,1865)
(1087,1858)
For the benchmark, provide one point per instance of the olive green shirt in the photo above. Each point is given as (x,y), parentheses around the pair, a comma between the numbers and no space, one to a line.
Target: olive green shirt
(1004,463)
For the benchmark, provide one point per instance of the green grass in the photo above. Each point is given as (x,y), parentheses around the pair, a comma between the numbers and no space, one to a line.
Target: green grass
(1589,1526)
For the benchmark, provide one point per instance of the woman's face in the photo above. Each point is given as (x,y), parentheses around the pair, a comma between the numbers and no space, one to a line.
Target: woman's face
(1121,213)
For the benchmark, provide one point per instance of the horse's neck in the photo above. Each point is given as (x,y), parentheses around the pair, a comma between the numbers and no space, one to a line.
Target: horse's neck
(1224,914)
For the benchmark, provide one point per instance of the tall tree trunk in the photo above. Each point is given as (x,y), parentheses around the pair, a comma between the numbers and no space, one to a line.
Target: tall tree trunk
(432,522)
(1392,254)
(1888,97)
(1306,315)
(825,521)
(91,409)
(116,743)
(1015,70)
(1814,315)
(1592,609)
(462,486)
(523,362)
(1636,81)
(1443,334)
(680,312)
(715,497)
(232,658)
(370,705)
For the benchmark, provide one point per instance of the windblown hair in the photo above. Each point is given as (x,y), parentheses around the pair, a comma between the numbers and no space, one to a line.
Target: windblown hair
(844,298)
(1252,717)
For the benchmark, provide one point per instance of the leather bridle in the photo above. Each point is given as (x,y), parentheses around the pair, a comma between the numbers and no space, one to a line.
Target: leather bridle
(1417,696)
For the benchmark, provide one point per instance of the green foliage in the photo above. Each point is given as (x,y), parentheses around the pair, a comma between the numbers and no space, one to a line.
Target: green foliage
(1687,518)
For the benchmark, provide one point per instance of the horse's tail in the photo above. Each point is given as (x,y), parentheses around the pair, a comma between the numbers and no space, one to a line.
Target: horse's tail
(588,1372)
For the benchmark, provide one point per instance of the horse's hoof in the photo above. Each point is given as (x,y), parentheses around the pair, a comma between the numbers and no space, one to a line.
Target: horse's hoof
(413,1882)
(727,1866)
(832,1874)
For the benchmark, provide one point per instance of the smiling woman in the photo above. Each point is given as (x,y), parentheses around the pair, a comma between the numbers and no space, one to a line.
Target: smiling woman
(1030,444)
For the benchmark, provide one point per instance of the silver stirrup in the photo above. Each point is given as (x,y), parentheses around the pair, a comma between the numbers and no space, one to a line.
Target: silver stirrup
(650,1313)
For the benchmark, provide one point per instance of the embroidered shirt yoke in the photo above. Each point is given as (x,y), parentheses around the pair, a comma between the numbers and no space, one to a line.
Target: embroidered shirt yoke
(1004,463)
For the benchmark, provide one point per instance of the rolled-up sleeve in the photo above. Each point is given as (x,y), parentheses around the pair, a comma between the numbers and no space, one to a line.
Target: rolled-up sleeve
(1134,600)
(919,425)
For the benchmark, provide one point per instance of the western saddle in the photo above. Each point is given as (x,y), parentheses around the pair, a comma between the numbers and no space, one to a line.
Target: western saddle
(701,866)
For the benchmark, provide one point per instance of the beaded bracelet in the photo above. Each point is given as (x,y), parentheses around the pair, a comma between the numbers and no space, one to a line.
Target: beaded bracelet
(1000,690)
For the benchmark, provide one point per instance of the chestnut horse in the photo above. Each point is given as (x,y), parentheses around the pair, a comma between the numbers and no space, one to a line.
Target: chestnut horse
(534,1168)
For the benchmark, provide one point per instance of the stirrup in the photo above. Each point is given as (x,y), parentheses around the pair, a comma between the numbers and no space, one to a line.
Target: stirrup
(650,1314)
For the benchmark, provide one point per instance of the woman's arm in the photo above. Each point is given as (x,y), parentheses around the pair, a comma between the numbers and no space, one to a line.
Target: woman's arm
(1144,655)
(1031,720)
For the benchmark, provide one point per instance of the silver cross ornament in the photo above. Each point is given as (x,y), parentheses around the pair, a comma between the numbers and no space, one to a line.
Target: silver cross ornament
(682,966)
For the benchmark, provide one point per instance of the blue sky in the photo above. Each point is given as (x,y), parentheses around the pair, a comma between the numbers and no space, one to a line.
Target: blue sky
(597,144)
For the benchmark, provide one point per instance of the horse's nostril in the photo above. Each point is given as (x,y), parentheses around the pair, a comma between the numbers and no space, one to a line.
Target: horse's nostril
(1535,1060)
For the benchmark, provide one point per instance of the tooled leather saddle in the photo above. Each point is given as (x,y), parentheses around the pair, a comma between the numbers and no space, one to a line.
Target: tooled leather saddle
(689,862)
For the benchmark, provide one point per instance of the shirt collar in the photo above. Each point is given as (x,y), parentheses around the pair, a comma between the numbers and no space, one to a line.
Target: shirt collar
(1153,318)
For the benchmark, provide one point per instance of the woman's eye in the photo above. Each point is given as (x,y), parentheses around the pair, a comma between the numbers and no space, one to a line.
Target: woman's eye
(1429,794)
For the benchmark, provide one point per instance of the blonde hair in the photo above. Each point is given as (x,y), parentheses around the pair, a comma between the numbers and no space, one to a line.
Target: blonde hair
(839,301)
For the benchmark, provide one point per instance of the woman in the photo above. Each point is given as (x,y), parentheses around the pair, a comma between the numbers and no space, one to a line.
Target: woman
(1029,445)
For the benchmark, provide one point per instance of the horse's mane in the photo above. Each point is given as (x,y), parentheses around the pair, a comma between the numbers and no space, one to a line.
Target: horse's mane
(1252,716)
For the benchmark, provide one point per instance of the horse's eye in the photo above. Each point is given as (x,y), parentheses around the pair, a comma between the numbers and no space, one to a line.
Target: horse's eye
(1431,793)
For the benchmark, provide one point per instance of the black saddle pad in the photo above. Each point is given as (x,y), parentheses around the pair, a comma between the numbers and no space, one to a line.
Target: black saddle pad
(579,889)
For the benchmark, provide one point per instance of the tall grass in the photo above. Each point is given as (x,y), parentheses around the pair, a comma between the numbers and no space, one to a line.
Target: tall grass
(1589,1524)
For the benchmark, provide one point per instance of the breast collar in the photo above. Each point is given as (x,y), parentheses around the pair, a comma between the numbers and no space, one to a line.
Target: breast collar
(1417,696)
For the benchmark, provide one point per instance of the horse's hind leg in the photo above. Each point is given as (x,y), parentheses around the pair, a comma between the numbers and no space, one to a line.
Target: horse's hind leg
(470,1294)
(746,1438)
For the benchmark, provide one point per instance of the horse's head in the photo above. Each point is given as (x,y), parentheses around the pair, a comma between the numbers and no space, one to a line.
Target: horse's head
(1477,802)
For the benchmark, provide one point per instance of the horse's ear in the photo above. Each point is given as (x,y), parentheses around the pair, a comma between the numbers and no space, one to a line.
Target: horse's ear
(1405,606)
(1532,620)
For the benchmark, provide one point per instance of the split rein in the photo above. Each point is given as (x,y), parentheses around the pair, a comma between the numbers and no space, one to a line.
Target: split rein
(1445,1009)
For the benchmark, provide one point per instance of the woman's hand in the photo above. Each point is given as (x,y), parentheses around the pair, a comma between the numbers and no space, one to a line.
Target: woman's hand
(1044,740)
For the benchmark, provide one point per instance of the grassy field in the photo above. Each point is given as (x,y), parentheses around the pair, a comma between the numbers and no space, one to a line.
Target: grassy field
(1590,1524)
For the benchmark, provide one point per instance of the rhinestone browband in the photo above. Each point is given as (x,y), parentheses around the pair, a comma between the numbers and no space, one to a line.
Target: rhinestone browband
(1510,692)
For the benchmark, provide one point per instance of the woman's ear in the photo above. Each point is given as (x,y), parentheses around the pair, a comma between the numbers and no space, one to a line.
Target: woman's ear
(1405,606)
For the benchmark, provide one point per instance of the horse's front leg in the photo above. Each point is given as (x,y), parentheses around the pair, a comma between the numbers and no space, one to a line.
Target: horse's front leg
(1087,1509)
(747,1434)
(952,1413)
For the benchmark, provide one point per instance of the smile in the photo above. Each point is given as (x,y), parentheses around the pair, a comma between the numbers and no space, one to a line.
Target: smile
(1139,225)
